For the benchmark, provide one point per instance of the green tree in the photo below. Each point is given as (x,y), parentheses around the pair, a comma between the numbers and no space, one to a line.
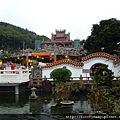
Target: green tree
(104,99)
(61,74)
(62,87)
(101,100)
(104,76)
(104,36)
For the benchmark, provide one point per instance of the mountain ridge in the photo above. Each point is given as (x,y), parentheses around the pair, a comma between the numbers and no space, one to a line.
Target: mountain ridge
(13,37)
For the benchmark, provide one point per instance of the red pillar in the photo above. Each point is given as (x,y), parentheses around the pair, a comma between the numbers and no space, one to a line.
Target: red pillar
(54,58)
(27,61)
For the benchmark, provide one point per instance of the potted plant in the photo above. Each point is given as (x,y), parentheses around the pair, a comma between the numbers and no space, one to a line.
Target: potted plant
(62,85)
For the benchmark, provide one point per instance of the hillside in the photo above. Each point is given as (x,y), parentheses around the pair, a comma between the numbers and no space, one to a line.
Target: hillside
(13,37)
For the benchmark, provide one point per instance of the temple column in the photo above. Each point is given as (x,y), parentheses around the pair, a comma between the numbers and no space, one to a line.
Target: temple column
(54,58)
(27,61)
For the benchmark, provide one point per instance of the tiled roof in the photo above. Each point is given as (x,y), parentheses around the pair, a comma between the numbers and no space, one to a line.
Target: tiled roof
(80,64)
(98,54)
(64,61)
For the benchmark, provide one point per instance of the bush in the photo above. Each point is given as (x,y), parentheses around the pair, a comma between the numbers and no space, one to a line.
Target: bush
(104,76)
(61,74)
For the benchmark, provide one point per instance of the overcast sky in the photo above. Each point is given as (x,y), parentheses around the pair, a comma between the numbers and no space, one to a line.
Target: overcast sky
(45,16)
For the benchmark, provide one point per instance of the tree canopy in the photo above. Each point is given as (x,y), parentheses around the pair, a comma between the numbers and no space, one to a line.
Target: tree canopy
(61,74)
(12,37)
(105,36)
(104,75)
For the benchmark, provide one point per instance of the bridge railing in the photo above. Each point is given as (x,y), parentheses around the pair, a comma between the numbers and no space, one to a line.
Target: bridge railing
(14,76)
(81,80)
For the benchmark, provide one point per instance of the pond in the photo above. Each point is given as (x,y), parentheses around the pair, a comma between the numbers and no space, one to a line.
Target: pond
(21,106)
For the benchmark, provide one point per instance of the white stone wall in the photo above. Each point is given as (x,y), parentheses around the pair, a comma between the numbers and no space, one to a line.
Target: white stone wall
(77,71)
(88,64)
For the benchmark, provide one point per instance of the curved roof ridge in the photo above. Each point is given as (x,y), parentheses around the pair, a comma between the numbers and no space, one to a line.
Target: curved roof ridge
(64,61)
(98,54)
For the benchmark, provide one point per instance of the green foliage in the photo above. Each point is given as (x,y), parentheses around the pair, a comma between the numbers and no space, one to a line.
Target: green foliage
(104,76)
(64,89)
(13,37)
(105,99)
(104,35)
(62,84)
(116,88)
(61,74)
(101,99)
(116,92)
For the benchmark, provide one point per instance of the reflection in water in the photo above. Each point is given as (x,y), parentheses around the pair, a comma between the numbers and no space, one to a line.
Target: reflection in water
(14,104)
(17,98)
(22,105)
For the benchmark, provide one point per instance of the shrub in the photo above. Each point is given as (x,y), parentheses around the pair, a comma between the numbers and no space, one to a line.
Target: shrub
(61,74)
(103,75)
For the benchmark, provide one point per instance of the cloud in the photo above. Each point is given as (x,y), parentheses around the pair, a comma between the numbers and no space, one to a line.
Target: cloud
(44,16)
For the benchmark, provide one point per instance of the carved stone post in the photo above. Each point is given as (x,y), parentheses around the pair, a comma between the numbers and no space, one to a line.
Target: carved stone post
(33,95)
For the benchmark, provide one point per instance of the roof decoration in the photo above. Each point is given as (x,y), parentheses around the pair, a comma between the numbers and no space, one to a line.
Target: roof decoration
(64,61)
(98,54)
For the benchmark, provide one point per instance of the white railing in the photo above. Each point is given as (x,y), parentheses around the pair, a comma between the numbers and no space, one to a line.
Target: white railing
(14,76)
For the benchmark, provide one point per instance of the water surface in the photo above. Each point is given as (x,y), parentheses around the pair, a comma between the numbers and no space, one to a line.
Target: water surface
(21,105)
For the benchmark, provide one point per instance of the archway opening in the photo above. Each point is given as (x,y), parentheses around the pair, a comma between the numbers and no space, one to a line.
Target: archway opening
(94,68)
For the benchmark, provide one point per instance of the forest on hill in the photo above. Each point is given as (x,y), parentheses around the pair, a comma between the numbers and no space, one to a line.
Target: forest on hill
(13,37)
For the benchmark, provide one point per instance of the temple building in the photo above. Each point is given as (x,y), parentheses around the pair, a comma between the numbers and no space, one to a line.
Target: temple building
(60,39)
(60,45)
